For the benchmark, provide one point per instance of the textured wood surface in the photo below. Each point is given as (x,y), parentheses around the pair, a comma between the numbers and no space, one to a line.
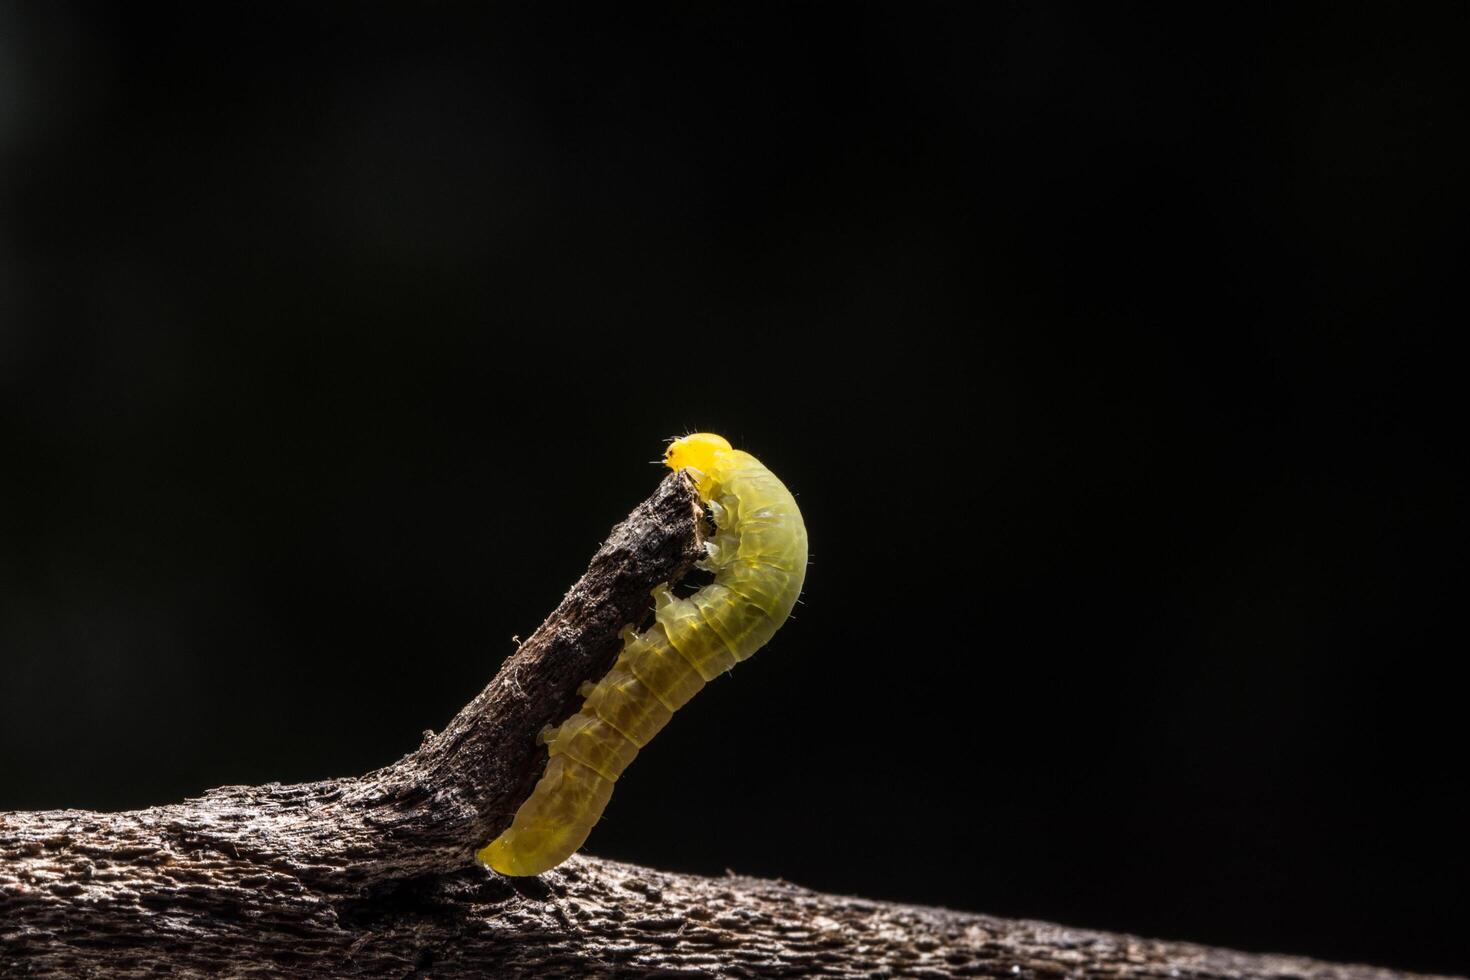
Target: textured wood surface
(373,876)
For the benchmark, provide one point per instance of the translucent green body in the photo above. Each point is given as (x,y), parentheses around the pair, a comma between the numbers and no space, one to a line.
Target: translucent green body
(758,558)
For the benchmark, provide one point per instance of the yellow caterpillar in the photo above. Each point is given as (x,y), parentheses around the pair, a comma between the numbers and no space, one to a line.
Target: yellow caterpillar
(758,558)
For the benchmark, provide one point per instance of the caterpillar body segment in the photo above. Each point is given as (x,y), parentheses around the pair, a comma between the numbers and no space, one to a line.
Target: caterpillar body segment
(758,558)
(652,659)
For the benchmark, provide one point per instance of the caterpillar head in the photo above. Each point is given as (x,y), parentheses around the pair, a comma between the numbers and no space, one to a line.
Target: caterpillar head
(695,452)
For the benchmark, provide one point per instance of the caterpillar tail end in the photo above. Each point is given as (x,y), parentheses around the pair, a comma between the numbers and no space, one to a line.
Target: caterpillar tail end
(500,856)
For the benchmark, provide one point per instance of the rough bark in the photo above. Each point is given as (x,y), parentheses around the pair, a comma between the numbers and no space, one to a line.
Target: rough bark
(373,876)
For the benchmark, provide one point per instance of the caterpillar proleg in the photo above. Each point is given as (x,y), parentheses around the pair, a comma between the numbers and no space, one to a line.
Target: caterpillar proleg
(758,557)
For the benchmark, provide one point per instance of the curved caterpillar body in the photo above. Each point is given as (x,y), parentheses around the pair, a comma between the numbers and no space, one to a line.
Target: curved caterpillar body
(758,558)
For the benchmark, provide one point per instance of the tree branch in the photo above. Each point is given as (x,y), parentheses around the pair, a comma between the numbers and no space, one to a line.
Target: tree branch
(374,875)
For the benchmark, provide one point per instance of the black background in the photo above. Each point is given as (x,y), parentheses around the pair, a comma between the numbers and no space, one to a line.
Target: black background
(1098,344)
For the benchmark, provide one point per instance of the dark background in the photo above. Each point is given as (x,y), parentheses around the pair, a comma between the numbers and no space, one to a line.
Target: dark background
(1098,344)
